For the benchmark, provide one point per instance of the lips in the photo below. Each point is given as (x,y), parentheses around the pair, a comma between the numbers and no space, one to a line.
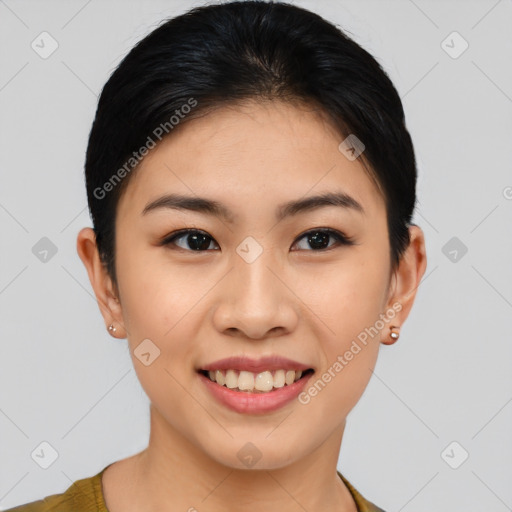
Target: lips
(254,401)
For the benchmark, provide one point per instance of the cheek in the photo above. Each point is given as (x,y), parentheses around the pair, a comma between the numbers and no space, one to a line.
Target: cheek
(350,308)
(347,295)
(160,311)
(349,300)
(161,303)
(154,295)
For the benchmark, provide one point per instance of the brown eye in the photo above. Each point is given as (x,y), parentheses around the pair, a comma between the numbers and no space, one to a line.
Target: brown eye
(319,239)
(193,240)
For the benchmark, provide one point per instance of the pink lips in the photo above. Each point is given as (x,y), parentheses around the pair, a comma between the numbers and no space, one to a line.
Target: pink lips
(255,365)
(255,403)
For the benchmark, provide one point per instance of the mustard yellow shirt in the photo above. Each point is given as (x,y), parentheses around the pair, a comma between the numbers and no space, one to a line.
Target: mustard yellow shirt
(86,495)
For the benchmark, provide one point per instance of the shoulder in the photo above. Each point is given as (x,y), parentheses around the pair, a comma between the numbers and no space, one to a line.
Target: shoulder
(84,495)
(363,505)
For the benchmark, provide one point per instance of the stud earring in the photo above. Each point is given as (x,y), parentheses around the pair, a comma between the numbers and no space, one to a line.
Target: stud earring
(394,335)
(111,328)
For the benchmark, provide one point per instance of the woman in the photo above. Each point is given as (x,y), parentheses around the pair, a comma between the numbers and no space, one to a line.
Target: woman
(251,183)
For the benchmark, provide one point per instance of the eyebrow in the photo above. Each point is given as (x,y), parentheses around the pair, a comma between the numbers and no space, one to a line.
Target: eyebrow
(212,207)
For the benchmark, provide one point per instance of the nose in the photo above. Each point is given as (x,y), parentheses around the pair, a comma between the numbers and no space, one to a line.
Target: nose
(255,300)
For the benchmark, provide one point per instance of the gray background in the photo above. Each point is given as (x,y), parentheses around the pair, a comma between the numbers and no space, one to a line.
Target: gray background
(65,381)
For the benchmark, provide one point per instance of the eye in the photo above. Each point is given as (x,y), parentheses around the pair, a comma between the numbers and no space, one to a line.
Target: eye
(318,239)
(196,240)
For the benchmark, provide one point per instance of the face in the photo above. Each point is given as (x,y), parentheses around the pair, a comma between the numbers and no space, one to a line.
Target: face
(253,279)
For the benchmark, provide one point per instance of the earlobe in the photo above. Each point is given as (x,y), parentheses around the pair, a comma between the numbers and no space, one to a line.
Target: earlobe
(407,278)
(101,282)
(394,334)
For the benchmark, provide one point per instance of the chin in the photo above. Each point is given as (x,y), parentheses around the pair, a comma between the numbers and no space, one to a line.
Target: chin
(257,455)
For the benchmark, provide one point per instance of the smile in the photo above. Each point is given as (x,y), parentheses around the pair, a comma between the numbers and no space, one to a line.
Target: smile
(250,382)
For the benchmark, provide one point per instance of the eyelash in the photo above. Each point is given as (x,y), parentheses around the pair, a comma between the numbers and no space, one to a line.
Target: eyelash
(341,238)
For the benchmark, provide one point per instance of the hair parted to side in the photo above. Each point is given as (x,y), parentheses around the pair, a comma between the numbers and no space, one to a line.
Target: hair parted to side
(223,54)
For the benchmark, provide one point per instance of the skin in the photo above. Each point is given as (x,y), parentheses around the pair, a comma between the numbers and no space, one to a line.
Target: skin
(293,300)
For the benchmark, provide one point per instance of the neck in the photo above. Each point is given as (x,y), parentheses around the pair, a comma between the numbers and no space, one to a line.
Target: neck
(174,474)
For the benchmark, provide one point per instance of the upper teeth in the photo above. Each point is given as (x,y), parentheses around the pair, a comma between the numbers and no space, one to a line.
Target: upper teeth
(248,381)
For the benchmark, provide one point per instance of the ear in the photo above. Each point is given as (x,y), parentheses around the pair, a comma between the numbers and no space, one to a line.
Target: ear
(406,279)
(104,289)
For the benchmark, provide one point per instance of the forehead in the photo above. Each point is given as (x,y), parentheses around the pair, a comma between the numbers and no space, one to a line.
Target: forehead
(251,153)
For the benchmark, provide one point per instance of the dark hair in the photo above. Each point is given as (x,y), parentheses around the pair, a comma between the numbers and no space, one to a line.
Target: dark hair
(246,50)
